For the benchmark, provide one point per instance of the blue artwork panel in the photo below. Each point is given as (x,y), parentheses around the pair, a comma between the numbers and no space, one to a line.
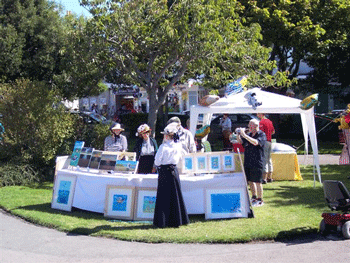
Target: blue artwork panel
(226,203)
(214,162)
(119,202)
(149,203)
(63,192)
(228,161)
(201,163)
(188,163)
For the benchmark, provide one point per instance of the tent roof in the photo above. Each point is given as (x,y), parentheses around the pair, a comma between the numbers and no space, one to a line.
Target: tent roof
(270,103)
(237,103)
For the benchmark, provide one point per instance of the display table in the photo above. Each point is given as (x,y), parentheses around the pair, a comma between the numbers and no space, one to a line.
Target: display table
(285,166)
(90,187)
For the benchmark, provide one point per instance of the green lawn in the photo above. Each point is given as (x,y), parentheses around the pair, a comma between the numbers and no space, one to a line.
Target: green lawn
(293,208)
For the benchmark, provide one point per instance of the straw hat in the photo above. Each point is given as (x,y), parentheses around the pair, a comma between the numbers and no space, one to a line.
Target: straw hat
(143,128)
(116,126)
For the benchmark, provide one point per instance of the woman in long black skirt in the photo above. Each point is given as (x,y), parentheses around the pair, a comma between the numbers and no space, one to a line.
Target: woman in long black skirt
(170,210)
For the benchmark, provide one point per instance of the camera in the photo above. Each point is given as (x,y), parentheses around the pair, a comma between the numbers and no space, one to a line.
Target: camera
(239,130)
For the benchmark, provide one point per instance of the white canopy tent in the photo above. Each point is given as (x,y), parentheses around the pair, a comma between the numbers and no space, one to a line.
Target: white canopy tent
(271,103)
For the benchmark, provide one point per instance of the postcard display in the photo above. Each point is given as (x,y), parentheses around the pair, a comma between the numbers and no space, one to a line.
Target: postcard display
(213,183)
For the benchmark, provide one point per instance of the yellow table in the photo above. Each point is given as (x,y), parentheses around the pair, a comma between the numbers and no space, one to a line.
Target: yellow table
(285,166)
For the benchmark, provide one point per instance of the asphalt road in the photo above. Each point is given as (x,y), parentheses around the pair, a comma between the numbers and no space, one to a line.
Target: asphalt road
(24,242)
(323,159)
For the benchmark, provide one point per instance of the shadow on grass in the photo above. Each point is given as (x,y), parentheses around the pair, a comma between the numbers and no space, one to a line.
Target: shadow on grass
(89,231)
(87,215)
(294,195)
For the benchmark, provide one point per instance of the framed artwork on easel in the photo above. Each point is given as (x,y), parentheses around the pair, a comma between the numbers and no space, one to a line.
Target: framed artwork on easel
(228,162)
(63,192)
(214,163)
(119,202)
(201,163)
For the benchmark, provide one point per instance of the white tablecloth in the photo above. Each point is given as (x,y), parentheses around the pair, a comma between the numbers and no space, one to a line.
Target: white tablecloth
(90,190)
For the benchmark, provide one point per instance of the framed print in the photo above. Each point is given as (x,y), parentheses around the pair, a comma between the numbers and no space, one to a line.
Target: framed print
(228,162)
(226,203)
(201,163)
(95,159)
(127,156)
(63,192)
(145,203)
(74,159)
(85,157)
(108,160)
(188,164)
(119,202)
(125,166)
(214,163)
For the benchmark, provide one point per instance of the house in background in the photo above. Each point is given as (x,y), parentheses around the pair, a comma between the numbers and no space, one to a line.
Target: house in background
(123,99)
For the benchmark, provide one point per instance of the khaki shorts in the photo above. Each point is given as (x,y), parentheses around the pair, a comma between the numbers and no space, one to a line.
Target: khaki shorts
(267,167)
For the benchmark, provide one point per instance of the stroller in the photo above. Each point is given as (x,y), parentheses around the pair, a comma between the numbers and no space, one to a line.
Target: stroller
(338,199)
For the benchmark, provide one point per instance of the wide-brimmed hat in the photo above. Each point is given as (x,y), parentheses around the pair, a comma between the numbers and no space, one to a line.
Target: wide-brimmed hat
(143,128)
(170,129)
(174,120)
(116,126)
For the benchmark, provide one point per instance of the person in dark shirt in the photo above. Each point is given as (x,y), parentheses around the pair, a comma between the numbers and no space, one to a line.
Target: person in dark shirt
(253,142)
(146,148)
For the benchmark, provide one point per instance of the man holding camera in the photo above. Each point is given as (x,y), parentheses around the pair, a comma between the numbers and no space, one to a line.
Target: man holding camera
(253,142)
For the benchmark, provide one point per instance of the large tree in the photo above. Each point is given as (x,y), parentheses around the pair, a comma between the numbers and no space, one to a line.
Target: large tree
(157,43)
(331,58)
(313,31)
(39,42)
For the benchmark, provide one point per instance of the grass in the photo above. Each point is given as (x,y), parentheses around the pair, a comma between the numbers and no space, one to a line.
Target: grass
(292,209)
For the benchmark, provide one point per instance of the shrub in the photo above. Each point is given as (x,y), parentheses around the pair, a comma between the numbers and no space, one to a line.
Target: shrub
(37,128)
(92,134)
(16,173)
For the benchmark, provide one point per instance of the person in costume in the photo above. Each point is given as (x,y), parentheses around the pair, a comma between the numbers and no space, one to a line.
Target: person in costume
(253,143)
(186,137)
(170,209)
(344,121)
(116,142)
(226,125)
(266,126)
(146,147)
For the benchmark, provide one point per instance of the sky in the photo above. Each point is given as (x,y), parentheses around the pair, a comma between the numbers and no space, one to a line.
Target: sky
(73,5)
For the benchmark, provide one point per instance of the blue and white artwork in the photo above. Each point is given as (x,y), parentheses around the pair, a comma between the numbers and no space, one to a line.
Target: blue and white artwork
(63,192)
(226,203)
(188,163)
(149,204)
(120,202)
(215,163)
(228,162)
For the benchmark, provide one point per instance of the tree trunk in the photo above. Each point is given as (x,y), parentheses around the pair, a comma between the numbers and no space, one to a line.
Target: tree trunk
(152,114)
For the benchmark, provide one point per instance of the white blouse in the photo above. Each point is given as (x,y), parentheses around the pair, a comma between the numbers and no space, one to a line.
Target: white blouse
(168,153)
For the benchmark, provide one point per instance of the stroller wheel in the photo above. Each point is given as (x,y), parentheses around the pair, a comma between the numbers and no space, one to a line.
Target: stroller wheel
(346,230)
(323,227)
